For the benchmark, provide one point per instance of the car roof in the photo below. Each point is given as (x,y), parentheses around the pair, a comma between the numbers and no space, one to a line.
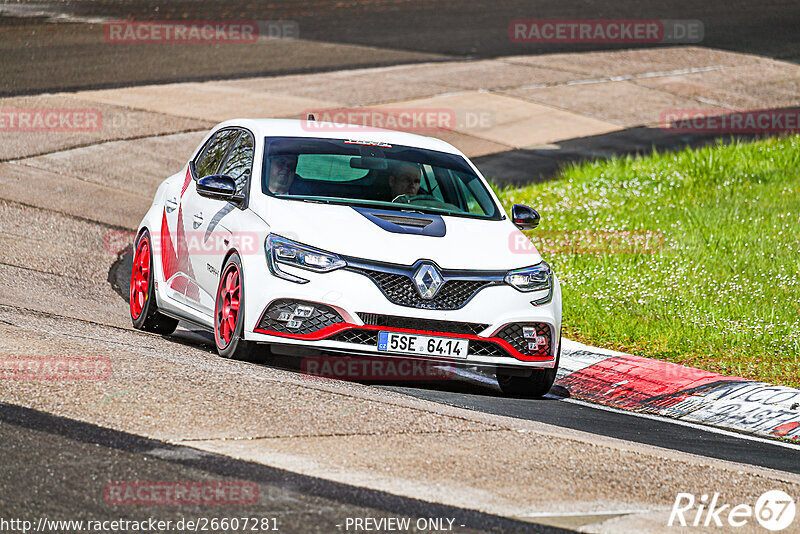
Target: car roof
(331,130)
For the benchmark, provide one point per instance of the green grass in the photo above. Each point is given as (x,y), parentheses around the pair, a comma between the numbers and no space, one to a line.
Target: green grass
(690,257)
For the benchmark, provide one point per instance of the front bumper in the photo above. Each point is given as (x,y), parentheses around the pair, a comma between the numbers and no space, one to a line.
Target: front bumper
(362,311)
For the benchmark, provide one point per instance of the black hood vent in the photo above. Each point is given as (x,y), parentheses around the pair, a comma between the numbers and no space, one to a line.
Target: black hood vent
(406,221)
(402,222)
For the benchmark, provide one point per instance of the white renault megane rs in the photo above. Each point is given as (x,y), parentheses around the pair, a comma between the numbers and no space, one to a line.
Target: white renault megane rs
(346,240)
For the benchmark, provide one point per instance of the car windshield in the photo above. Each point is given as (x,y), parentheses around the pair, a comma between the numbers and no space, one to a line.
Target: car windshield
(374,174)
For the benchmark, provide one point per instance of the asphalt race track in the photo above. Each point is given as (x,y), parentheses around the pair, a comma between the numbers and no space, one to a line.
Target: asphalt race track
(555,410)
(477,392)
(43,454)
(356,34)
(321,451)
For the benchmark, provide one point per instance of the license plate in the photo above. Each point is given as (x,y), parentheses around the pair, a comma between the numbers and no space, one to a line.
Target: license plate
(422,345)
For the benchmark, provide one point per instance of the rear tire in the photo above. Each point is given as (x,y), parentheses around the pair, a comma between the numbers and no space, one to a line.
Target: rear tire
(229,315)
(538,384)
(143,310)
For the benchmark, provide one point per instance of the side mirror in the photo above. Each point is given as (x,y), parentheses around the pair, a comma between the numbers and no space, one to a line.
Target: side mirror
(218,187)
(524,217)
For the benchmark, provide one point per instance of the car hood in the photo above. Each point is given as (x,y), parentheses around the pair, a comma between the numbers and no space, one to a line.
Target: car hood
(466,243)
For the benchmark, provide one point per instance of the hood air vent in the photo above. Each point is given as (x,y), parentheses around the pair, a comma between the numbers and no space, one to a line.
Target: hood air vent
(400,222)
(406,221)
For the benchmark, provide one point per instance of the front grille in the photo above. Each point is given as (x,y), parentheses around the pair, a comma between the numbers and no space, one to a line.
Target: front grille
(486,348)
(357,336)
(513,334)
(428,325)
(321,317)
(400,289)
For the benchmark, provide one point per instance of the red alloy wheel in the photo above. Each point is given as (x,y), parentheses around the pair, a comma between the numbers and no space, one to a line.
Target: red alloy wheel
(227,313)
(140,278)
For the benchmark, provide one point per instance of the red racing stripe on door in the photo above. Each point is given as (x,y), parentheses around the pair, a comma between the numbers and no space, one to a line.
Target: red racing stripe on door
(186,182)
(169,260)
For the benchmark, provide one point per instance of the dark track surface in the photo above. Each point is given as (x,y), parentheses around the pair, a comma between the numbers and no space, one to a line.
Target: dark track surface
(477,28)
(35,56)
(59,468)
(658,432)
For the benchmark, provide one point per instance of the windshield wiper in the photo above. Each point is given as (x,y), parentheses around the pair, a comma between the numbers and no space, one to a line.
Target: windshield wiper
(392,206)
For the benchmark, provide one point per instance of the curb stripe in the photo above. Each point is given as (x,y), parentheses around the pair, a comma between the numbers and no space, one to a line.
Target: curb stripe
(654,387)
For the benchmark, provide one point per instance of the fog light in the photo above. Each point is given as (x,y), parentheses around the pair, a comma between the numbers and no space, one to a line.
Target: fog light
(529,332)
(303,311)
(537,344)
(290,318)
(297,317)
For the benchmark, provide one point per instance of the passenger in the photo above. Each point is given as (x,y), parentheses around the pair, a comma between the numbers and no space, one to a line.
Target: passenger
(282,172)
(404,179)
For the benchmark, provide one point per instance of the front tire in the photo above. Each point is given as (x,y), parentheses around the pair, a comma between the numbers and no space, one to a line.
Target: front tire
(143,310)
(229,314)
(538,384)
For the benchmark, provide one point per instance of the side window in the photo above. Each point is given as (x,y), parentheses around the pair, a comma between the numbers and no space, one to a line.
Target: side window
(430,183)
(475,195)
(239,164)
(208,163)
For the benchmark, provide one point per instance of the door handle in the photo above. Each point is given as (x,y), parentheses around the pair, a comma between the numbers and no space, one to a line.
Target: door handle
(172,204)
(198,220)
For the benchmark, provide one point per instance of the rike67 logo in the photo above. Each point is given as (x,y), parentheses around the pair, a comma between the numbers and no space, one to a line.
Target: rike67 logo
(774,510)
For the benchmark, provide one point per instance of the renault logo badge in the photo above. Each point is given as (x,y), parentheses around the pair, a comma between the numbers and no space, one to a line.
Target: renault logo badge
(428,281)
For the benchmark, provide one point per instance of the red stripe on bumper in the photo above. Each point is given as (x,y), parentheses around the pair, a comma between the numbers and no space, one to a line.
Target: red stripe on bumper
(328,331)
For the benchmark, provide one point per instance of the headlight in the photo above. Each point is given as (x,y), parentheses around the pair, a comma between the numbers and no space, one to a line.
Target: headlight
(536,278)
(280,250)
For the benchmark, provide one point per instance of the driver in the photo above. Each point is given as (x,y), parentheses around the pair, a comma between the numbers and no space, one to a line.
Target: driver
(282,173)
(404,178)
